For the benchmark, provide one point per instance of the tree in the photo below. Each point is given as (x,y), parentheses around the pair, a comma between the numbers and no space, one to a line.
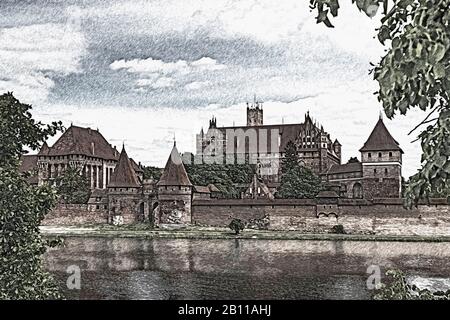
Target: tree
(224,177)
(297,181)
(414,73)
(72,187)
(398,288)
(22,206)
(152,173)
(237,225)
(290,159)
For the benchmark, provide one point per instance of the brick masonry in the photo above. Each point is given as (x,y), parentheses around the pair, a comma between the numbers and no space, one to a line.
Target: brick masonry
(72,214)
(386,217)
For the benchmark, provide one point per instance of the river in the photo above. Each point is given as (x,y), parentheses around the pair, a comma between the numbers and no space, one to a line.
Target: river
(129,268)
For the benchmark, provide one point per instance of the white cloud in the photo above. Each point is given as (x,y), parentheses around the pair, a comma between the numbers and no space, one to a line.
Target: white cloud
(29,55)
(159,74)
(180,67)
(196,85)
(207,64)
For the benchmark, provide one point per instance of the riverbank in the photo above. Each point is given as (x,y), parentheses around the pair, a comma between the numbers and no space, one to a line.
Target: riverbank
(193,232)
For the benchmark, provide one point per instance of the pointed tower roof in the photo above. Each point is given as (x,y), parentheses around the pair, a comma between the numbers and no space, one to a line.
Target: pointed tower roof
(380,139)
(44,149)
(174,173)
(124,175)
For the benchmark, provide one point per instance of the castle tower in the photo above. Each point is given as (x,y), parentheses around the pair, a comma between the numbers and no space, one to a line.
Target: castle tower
(174,192)
(337,149)
(124,198)
(381,158)
(254,114)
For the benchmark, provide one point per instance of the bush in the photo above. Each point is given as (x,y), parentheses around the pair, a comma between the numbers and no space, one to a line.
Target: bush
(338,229)
(237,225)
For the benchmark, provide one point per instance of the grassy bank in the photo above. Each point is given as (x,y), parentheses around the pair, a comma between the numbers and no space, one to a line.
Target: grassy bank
(144,232)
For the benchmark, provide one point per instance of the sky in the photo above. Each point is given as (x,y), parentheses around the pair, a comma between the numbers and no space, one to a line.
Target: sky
(143,72)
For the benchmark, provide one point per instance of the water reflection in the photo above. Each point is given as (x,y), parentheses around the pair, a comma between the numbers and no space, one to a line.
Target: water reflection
(120,268)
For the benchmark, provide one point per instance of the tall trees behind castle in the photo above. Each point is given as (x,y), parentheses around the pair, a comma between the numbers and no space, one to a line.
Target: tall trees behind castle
(297,181)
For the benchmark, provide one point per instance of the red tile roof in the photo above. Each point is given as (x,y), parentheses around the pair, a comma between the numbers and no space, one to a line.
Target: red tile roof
(380,139)
(174,173)
(81,141)
(124,175)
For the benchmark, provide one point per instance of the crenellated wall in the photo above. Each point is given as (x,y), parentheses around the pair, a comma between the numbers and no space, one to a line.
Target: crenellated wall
(381,216)
(73,214)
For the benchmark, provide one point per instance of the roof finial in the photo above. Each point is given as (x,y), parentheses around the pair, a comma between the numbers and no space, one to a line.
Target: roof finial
(381,115)
(174,140)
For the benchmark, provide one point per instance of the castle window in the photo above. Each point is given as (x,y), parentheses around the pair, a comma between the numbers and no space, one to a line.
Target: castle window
(379,154)
(390,154)
(374,171)
(369,155)
(385,171)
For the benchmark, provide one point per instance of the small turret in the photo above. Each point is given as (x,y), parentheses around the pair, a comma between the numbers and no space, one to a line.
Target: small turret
(213,123)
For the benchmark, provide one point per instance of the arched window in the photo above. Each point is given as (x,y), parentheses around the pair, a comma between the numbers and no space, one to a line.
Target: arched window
(357,191)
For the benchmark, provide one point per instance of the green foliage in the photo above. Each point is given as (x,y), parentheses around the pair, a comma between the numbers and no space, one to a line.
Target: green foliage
(222,176)
(72,187)
(397,288)
(338,229)
(414,73)
(22,207)
(237,225)
(297,181)
(152,173)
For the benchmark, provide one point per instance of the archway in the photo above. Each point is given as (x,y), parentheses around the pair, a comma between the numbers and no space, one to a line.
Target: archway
(357,191)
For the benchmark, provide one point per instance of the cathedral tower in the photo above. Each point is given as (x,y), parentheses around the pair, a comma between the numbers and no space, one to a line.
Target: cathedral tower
(254,114)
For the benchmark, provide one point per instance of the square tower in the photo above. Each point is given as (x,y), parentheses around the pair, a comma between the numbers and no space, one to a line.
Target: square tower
(381,158)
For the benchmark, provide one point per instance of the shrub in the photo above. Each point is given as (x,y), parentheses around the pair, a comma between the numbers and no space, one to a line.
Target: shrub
(338,229)
(237,225)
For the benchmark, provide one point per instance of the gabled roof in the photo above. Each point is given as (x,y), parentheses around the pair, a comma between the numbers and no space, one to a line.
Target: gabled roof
(201,189)
(380,139)
(345,168)
(213,188)
(28,163)
(81,141)
(124,175)
(174,173)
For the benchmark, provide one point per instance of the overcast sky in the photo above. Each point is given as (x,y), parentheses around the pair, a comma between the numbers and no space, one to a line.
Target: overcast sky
(142,71)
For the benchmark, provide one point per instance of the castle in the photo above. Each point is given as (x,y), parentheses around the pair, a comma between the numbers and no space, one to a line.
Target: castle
(264,145)
(120,194)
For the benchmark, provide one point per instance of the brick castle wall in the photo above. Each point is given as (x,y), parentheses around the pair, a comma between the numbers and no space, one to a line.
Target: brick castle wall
(72,214)
(386,217)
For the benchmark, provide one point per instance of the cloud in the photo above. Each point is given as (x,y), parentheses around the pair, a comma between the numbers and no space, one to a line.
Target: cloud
(158,74)
(196,85)
(31,55)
